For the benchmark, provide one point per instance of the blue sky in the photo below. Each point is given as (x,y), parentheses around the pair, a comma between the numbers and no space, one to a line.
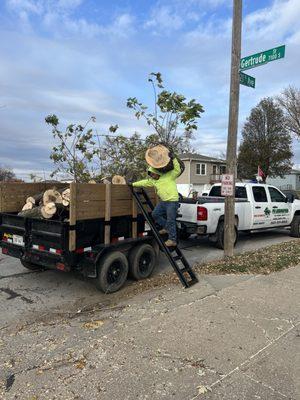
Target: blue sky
(78,58)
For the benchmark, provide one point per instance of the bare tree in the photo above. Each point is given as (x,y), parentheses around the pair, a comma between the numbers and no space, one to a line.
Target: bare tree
(289,100)
(6,174)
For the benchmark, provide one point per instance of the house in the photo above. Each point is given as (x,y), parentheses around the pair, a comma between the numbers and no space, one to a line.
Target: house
(200,173)
(287,182)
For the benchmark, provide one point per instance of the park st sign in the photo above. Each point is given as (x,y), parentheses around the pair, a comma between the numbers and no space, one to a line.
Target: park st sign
(262,58)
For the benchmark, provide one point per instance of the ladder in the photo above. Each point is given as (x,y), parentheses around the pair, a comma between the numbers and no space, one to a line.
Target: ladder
(142,200)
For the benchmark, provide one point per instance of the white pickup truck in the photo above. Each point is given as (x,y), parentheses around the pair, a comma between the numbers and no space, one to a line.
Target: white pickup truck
(258,206)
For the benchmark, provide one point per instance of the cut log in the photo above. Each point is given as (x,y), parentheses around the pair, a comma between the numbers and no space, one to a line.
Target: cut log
(35,199)
(118,180)
(27,206)
(65,203)
(66,194)
(48,210)
(52,196)
(35,212)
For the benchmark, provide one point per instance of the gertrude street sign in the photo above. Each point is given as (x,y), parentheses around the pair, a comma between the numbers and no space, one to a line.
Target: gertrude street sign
(247,80)
(262,58)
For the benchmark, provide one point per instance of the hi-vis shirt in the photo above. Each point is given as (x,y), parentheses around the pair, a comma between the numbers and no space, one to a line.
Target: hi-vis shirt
(165,186)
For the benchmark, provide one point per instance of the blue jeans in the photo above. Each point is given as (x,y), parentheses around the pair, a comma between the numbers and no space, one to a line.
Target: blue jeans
(164,214)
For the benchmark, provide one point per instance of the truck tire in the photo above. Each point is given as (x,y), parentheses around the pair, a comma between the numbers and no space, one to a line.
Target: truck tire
(142,261)
(219,243)
(112,271)
(31,266)
(295,226)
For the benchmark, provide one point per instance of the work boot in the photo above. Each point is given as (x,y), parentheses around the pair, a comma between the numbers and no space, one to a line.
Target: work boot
(170,243)
(162,231)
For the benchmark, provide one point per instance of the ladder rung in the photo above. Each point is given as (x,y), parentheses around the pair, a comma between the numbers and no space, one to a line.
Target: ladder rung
(177,258)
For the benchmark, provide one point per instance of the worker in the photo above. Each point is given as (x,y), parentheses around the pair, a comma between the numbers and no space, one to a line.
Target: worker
(163,171)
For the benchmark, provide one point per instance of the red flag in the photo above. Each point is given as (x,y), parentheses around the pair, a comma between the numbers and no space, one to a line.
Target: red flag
(260,172)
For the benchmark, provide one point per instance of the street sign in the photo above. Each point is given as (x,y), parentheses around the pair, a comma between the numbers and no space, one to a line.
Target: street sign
(262,58)
(227,185)
(247,80)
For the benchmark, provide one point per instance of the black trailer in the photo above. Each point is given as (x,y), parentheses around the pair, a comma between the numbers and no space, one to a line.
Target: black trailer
(108,236)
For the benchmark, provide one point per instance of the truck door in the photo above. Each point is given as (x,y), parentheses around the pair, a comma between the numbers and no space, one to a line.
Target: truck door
(261,208)
(281,210)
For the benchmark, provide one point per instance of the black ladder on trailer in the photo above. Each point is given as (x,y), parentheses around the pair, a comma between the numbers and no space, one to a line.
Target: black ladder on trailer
(143,199)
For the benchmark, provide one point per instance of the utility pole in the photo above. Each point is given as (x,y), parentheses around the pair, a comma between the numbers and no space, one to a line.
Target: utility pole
(233,125)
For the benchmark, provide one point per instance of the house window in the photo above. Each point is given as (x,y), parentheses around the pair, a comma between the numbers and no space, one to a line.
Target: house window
(214,170)
(222,169)
(200,169)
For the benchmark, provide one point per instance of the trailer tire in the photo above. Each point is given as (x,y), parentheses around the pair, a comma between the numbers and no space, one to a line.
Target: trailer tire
(31,266)
(142,261)
(219,243)
(295,226)
(112,271)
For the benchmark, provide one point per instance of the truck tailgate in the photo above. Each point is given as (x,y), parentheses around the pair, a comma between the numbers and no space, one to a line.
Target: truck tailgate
(188,212)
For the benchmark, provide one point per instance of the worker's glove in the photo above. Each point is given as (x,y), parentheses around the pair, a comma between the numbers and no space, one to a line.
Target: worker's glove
(129,182)
(171,155)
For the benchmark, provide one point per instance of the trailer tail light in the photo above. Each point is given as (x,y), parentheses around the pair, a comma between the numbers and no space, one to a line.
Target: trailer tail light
(60,266)
(4,239)
(201,213)
(4,251)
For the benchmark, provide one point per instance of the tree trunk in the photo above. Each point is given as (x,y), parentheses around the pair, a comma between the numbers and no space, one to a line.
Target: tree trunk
(35,199)
(52,196)
(41,212)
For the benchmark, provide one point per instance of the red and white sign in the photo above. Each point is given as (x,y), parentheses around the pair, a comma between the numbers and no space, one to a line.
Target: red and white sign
(227,185)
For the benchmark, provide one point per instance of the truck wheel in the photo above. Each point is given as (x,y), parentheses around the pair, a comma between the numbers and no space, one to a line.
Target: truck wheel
(295,226)
(142,260)
(112,272)
(219,243)
(31,266)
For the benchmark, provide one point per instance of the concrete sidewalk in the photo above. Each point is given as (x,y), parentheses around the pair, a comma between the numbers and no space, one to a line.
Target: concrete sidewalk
(229,337)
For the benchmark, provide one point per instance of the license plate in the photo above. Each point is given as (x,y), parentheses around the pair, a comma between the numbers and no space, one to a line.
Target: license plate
(18,240)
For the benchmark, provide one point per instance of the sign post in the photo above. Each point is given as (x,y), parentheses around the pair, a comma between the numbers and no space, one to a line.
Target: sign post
(233,126)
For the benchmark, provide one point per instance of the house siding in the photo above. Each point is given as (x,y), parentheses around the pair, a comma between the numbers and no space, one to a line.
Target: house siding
(185,176)
(291,181)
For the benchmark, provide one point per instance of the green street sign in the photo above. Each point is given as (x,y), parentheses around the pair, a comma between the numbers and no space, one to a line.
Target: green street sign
(247,80)
(262,58)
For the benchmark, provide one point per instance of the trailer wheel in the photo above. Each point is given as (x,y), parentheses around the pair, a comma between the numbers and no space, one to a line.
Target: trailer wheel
(142,260)
(219,243)
(295,226)
(31,266)
(112,272)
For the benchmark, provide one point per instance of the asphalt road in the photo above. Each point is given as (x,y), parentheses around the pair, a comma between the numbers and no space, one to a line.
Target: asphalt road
(38,310)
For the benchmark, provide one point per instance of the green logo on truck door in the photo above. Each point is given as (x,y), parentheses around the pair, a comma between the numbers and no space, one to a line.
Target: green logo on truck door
(267,212)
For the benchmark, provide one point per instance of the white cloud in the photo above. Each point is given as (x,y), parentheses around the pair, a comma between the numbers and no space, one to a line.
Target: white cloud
(165,19)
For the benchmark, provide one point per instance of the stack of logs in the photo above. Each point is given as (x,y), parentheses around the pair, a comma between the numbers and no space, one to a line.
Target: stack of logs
(53,203)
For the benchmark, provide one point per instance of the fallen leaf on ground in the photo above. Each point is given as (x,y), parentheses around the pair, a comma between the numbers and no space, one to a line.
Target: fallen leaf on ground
(93,324)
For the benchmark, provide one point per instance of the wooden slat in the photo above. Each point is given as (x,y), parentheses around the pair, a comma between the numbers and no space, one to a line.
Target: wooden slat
(108,194)
(93,210)
(86,191)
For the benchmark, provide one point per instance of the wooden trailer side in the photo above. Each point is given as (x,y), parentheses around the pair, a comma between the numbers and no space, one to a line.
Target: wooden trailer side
(13,195)
(90,201)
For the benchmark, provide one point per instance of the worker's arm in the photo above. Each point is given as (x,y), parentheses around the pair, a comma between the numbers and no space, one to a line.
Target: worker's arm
(176,171)
(143,183)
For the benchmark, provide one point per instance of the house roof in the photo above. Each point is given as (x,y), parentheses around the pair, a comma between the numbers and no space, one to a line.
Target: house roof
(200,157)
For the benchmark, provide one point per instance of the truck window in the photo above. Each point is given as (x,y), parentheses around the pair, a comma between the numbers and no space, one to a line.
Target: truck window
(240,192)
(276,196)
(259,194)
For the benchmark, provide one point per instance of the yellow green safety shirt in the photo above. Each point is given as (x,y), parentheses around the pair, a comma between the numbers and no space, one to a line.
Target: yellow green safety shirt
(165,186)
